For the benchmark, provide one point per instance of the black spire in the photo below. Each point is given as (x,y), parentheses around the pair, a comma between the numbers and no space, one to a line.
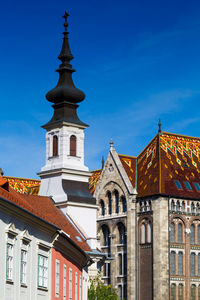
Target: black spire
(65,89)
(65,95)
(159,126)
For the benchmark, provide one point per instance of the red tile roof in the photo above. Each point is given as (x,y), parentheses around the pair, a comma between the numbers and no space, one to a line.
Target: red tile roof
(44,208)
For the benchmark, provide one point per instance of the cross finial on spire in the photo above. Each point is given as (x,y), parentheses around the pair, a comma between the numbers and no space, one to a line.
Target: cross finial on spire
(66,15)
(111,144)
(159,126)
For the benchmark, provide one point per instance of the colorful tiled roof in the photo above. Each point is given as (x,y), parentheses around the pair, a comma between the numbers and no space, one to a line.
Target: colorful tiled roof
(24,185)
(169,161)
(169,165)
(44,208)
(94,178)
(129,164)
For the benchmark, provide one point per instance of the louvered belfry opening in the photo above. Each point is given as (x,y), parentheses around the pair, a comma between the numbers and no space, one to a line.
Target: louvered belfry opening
(55,145)
(73,145)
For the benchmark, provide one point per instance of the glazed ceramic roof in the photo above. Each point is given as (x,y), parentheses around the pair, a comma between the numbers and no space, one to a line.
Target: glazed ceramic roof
(44,208)
(24,185)
(169,165)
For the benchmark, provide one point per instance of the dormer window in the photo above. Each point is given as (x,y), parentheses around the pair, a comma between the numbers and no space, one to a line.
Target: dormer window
(55,145)
(178,185)
(197,186)
(188,186)
(73,145)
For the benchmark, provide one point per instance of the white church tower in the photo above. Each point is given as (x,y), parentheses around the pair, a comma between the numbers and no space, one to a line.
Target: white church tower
(65,176)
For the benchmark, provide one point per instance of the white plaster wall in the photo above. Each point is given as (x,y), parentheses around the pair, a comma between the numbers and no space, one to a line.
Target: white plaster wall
(15,291)
(86,217)
(64,160)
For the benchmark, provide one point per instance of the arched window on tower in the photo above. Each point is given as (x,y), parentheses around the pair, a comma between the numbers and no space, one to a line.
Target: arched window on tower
(143,234)
(172,233)
(180,233)
(124,208)
(193,292)
(173,291)
(102,206)
(109,202)
(55,145)
(149,232)
(116,201)
(199,234)
(180,291)
(180,263)
(73,145)
(192,264)
(192,234)
(122,234)
(172,263)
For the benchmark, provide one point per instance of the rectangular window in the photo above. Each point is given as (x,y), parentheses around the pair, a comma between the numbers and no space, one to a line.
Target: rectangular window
(57,278)
(197,186)
(70,284)
(23,275)
(80,287)
(76,286)
(64,282)
(178,185)
(188,186)
(192,264)
(42,271)
(9,262)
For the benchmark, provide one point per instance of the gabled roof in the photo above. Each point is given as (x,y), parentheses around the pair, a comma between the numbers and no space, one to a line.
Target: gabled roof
(44,208)
(169,165)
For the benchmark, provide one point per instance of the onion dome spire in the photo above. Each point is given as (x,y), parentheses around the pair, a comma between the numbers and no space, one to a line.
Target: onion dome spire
(65,91)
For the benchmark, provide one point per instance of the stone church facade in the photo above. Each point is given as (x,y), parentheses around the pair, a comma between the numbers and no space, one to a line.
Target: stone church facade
(149,219)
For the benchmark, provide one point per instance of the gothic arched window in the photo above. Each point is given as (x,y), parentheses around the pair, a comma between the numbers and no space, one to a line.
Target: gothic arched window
(199,266)
(143,234)
(172,263)
(124,208)
(173,292)
(73,145)
(122,234)
(180,233)
(192,234)
(180,291)
(149,232)
(116,202)
(109,202)
(192,264)
(180,263)
(199,234)
(102,205)
(55,145)
(193,292)
(172,233)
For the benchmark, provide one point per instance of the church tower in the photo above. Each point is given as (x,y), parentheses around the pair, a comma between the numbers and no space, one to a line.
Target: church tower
(65,176)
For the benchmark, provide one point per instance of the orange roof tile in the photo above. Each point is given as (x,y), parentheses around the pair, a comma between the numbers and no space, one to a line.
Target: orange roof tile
(44,208)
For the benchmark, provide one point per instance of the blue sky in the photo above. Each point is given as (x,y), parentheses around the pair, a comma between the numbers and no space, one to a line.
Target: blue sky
(136,61)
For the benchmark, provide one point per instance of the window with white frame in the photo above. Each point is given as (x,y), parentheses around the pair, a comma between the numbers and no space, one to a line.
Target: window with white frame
(57,278)
(9,262)
(80,287)
(42,271)
(76,286)
(64,282)
(70,284)
(23,273)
